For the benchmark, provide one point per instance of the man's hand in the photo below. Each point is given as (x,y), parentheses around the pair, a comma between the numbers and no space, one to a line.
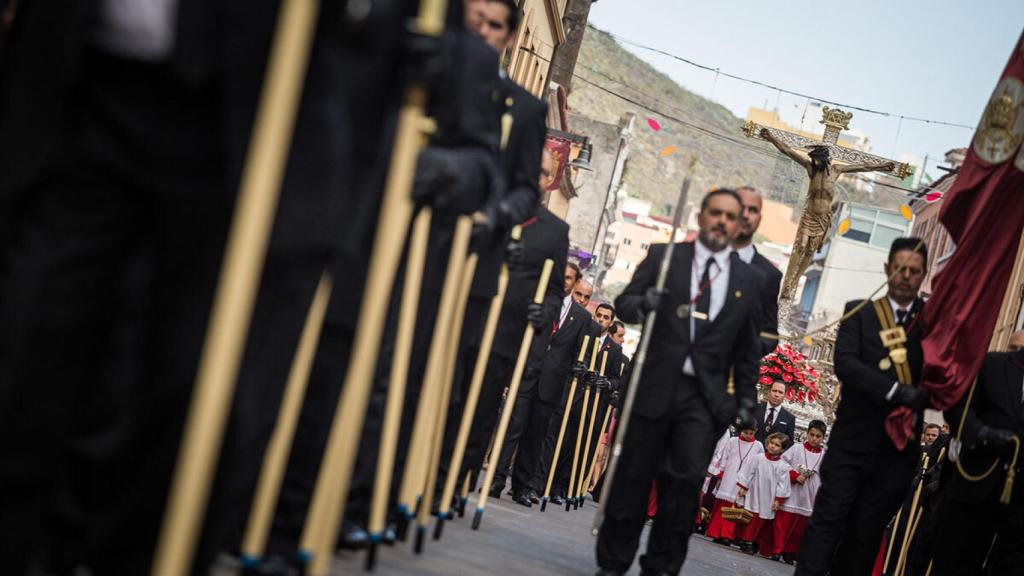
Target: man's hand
(514,253)
(652,299)
(741,492)
(744,413)
(535,315)
(997,440)
(579,371)
(914,398)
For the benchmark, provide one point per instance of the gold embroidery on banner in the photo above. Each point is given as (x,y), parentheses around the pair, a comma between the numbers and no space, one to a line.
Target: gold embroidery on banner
(1002,125)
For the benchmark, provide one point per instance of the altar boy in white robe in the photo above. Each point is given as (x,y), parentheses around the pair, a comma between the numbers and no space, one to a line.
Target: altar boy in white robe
(804,461)
(762,487)
(737,455)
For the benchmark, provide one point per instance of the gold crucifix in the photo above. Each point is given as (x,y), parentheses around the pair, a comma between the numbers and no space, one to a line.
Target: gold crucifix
(816,218)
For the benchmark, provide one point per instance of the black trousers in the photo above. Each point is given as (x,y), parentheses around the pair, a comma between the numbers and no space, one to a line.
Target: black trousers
(110,281)
(563,468)
(860,492)
(676,449)
(518,431)
(966,532)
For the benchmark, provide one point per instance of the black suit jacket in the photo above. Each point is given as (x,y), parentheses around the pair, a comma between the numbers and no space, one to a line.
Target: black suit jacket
(860,419)
(520,163)
(616,359)
(543,238)
(563,351)
(785,422)
(996,404)
(729,343)
(769,322)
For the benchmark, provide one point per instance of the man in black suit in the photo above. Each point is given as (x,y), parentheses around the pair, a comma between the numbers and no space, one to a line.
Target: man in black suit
(544,236)
(534,406)
(772,416)
(974,516)
(744,246)
(864,477)
(126,133)
(700,375)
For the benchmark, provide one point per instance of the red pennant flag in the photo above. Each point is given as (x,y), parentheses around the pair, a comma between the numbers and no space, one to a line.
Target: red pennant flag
(984,214)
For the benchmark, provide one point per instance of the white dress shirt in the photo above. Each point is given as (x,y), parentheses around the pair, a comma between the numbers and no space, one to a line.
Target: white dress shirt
(747,253)
(566,304)
(137,29)
(719,275)
(895,315)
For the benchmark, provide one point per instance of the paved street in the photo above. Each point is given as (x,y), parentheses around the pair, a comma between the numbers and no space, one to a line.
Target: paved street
(515,541)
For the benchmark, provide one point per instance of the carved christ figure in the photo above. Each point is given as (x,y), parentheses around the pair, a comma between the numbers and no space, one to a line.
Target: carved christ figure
(816,219)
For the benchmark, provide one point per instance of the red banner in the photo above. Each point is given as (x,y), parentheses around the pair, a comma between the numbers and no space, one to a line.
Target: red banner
(559,150)
(984,214)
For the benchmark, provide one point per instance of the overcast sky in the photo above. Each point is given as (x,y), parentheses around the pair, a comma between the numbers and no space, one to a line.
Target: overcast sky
(936,59)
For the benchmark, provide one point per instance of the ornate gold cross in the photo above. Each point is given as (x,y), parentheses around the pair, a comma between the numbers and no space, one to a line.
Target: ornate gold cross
(835,121)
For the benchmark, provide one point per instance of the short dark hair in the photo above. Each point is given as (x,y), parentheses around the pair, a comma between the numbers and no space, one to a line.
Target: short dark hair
(576,269)
(720,192)
(933,425)
(818,425)
(780,436)
(910,244)
(608,306)
(513,14)
(620,324)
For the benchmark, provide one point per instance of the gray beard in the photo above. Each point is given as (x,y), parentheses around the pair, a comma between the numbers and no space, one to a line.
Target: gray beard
(712,244)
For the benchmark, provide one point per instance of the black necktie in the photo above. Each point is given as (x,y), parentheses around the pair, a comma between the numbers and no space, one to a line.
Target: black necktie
(901,315)
(704,297)
(771,417)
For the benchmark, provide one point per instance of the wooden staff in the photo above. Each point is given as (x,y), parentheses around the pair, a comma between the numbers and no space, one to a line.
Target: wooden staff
(571,500)
(276,458)
(417,461)
(395,214)
(915,513)
(510,397)
(595,464)
(472,398)
(464,493)
(237,286)
(892,541)
(396,382)
(641,355)
(590,435)
(561,430)
(441,418)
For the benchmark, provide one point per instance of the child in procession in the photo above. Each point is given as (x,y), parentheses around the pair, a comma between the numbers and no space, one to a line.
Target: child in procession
(761,488)
(736,456)
(804,461)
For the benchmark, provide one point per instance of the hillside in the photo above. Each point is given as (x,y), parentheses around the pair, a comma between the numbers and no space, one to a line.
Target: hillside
(612,81)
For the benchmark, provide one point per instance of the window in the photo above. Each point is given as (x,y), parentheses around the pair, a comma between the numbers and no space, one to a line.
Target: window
(627,242)
(807,297)
(875,227)
(645,246)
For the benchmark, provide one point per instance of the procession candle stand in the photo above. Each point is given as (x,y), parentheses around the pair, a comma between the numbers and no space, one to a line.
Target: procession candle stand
(276,458)
(561,429)
(590,435)
(441,418)
(396,383)
(472,397)
(420,446)
(513,390)
(572,500)
(237,286)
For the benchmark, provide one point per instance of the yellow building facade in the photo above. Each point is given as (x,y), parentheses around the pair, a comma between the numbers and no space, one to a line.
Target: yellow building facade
(540,31)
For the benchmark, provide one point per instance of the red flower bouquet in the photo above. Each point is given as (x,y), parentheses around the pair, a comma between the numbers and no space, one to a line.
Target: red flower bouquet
(787,365)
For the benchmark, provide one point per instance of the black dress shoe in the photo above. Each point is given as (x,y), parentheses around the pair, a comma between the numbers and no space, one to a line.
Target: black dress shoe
(495,491)
(389,536)
(558,500)
(523,499)
(723,541)
(533,496)
(603,572)
(352,537)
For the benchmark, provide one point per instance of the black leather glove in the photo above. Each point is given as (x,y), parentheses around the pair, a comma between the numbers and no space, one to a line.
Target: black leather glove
(914,398)
(996,440)
(514,253)
(535,315)
(652,299)
(603,384)
(591,378)
(579,371)
(616,399)
(745,414)
(482,235)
